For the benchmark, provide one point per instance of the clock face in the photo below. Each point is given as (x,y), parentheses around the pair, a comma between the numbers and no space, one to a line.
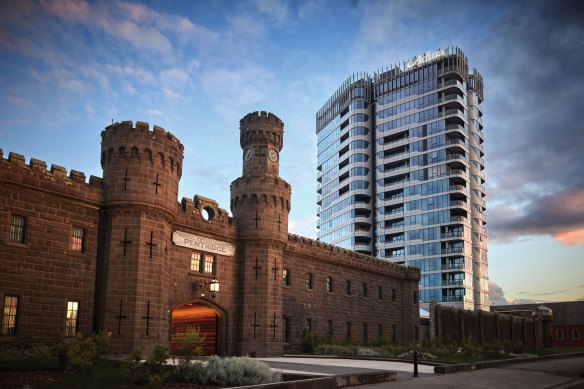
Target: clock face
(247,154)
(273,154)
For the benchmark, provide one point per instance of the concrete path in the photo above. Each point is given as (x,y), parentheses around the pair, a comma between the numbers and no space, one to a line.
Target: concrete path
(338,366)
(556,374)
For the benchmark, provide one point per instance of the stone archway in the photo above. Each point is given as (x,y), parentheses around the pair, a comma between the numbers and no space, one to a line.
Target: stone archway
(207,318)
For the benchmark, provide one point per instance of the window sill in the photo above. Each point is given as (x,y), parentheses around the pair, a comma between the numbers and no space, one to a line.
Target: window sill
(12,243)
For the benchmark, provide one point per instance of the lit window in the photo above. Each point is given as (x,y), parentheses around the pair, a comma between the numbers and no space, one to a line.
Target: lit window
(9,316)
(209,264)
(78,241)
(329,284)
(286,277)
(308,281)
(71,323)
(196,262)
(17,228)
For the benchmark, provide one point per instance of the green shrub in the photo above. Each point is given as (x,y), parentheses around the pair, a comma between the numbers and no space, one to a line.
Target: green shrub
(367,352)
(189,345)
(238,371)
(334,349)
(82,354)
(309,341)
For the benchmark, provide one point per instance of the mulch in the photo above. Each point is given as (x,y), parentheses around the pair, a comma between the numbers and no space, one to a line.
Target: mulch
(19,379)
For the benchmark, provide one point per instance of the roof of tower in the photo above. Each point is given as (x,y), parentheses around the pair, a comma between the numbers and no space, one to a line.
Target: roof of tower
(261,116)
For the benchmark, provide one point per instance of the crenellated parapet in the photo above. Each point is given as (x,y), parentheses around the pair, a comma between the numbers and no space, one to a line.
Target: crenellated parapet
(141,166)
(320,251)
(261,127)
(15,170)
(122,142)
(270,192)
(203,213)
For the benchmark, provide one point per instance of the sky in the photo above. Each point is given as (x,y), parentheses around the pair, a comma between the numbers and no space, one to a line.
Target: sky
(69,68)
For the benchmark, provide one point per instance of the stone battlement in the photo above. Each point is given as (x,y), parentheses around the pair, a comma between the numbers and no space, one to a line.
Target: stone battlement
(261,117)
(352,256)
(55,173)
(141,128)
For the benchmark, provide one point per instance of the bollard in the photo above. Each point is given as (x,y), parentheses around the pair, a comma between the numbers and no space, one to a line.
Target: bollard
(416,364)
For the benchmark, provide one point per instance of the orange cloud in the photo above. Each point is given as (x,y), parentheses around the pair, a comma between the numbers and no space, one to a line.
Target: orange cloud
(570,237)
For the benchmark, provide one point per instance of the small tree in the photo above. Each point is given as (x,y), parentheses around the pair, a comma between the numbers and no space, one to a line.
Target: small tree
(189,345)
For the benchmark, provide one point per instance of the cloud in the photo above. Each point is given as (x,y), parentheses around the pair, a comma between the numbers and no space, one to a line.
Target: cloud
(497,295)
(533,142)
(560,214)
(276,10)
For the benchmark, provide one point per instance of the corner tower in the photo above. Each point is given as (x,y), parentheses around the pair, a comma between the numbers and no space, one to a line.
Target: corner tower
(260,203)
(141,172)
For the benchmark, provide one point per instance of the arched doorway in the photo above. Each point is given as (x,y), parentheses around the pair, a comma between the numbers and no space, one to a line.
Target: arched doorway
(201,316)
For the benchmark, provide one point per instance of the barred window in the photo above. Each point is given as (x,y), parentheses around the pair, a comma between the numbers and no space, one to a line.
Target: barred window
(209,264)
(329,284)
(309,281)
(78,241)
(17,228)
(71,322)
(286,277)
(196,262)
(9,315)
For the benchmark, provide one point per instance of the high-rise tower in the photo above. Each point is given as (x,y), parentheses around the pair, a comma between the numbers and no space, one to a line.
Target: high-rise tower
(400,173)
(260,202)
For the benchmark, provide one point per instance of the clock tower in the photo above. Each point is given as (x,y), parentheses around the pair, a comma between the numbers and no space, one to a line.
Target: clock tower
(260,203)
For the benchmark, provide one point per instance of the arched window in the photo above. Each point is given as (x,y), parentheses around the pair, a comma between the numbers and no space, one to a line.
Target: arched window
(559,334)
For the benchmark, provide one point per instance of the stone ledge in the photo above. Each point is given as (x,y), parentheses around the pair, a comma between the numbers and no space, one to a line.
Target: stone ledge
(459,368)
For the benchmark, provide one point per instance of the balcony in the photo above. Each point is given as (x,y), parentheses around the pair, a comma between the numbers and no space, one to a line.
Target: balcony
(451,98)
(452,250)
(458,173)
(363,247)
(452,234)
(457,157)
(455,283)
(453,267)
(449,299)
(456,142)
(451,83)
(453,112)
(458,188)
(456,127)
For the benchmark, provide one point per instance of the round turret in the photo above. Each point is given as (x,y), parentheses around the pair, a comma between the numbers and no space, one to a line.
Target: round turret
(261,138)
(260,199)
(140,166)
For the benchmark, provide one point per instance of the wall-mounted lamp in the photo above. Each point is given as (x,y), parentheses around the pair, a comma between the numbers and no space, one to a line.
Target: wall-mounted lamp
(212,285)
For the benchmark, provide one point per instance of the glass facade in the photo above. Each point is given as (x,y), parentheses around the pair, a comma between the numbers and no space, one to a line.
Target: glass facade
(400,173)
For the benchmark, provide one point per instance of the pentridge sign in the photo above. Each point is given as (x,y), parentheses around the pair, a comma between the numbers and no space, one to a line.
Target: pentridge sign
(202,243)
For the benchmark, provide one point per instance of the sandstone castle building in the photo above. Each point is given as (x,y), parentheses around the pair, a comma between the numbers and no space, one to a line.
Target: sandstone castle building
(121,254)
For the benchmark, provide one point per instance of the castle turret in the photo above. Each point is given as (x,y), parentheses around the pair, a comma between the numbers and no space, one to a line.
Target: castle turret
(141,172)
(260,203)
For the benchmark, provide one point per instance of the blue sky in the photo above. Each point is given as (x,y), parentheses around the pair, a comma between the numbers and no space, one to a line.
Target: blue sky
(68,68)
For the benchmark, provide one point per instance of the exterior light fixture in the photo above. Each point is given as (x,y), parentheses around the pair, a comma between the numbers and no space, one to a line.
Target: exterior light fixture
(212,286)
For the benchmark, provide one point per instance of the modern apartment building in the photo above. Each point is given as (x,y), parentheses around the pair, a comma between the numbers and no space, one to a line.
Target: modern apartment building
(400,173)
